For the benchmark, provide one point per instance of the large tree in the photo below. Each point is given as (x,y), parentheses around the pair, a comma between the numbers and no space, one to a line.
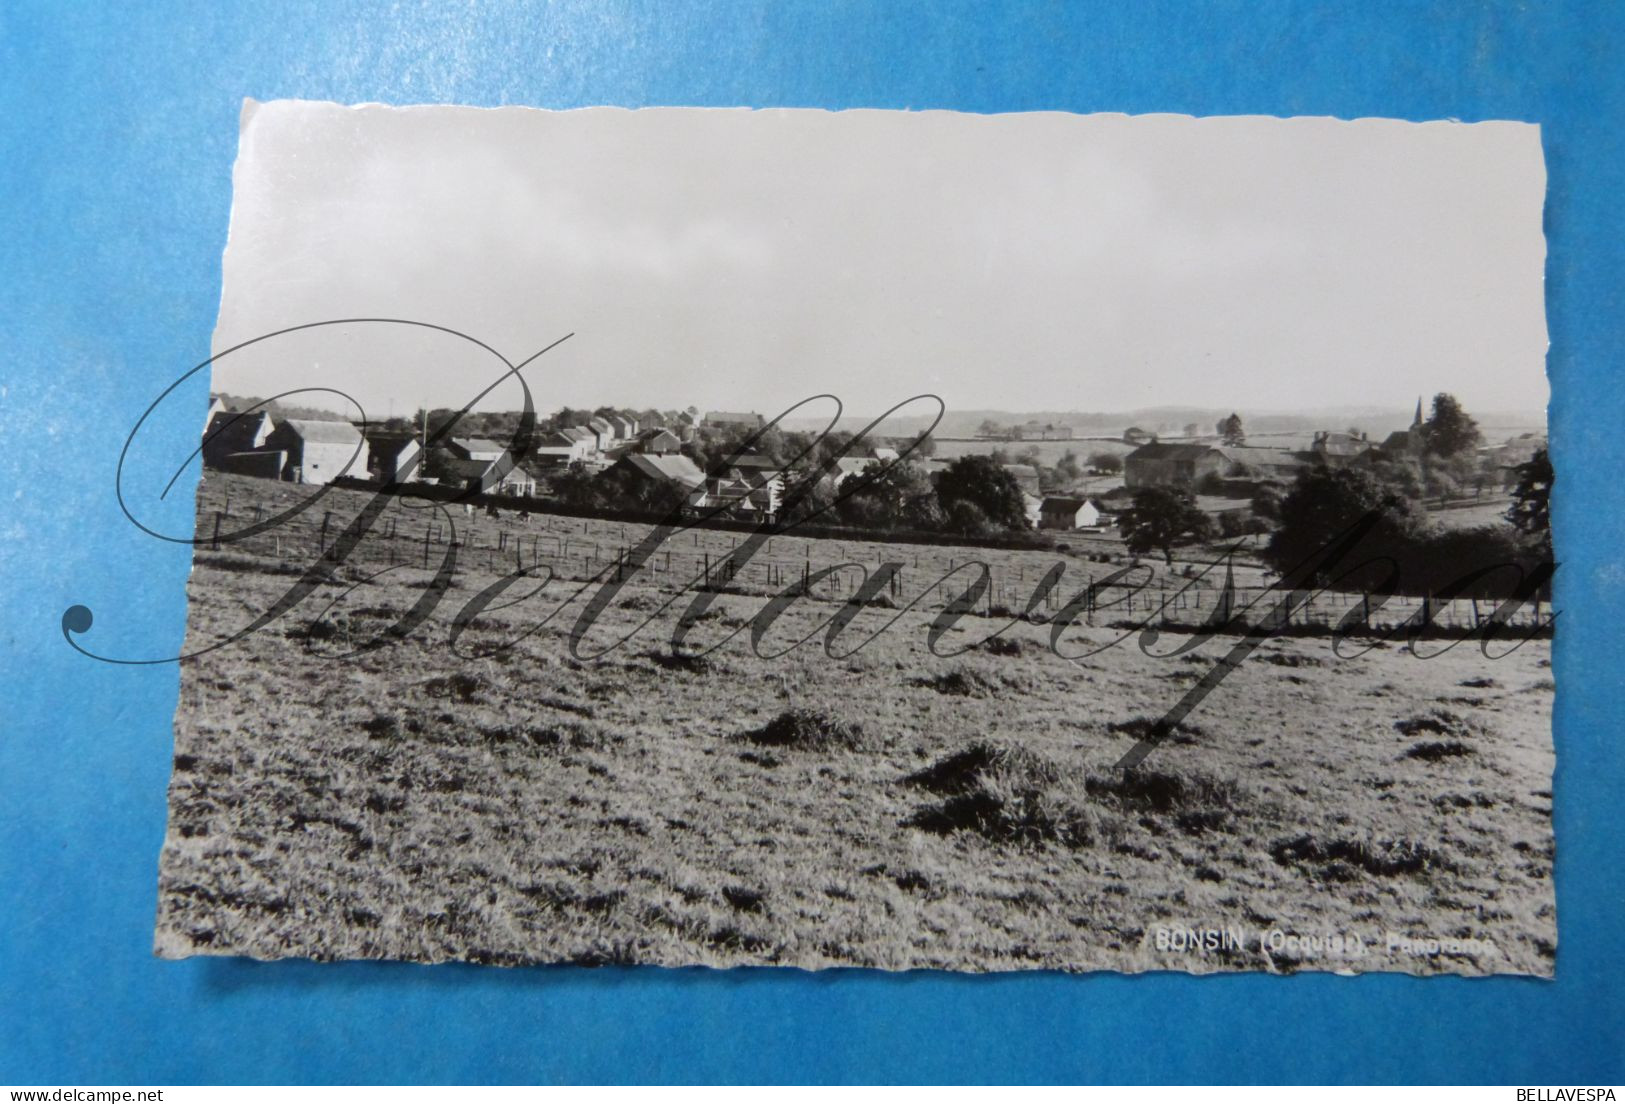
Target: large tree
(1531,502)
(623,487)
(1450,431)
(921,447)
(1162,518)
(1324,503)
(1231,431)
(894,496)
(981,482)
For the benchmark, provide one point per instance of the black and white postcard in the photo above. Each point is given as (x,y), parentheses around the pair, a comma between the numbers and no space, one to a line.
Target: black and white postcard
(902,540)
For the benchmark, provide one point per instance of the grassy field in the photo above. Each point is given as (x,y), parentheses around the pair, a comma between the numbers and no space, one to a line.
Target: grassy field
(888,809)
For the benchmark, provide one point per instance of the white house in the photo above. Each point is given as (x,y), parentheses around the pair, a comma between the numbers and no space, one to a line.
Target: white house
(1061,512)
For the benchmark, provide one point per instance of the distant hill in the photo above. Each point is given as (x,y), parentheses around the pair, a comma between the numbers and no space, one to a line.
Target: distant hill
(1170,421)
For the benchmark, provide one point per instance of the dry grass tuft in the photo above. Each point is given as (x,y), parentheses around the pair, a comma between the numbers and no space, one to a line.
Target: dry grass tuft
(1149,728)
(1199,802)
(686,662)
(743,898)
(967,682)
(1001,813)
(460,685)
(1439,722)
(967,769)
(1431,751)
(974,766)
(1292,659)
(1341,859)
(810,730)
(1006,795)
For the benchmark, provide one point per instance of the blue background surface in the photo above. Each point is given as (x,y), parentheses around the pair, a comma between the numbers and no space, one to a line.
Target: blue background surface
(117,134)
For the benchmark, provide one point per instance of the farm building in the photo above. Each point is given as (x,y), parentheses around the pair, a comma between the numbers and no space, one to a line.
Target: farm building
(739,492)
(679,471)
(1181,465)
(1516,450)
(751,462)
(724,419)
(1167,465)
(395,459)
(1060,512)
(261,464)
(563,448)
(603,438)
(488,477)
(584,437)
(657,442)
(318,451)
(229,431)
(475,448)
(1341,449)
(1408,442)
(1280,465)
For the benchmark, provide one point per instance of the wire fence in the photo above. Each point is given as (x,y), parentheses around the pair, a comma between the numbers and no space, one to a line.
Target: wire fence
(982,582)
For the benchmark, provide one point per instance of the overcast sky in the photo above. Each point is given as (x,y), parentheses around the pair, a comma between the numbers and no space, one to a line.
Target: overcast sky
(746,259)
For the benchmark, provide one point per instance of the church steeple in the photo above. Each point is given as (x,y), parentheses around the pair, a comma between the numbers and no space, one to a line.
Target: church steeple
(1416,423)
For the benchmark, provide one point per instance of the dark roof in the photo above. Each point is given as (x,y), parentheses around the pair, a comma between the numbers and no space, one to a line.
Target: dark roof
(1269,457)
(390,444)
(1341,444)
(1158,450)
(231,429)
(236,417)
(755,463)
(1062,502)
(671,469)
(476,444)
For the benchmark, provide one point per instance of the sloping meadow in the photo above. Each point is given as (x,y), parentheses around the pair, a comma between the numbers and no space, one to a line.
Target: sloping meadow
(890,809)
